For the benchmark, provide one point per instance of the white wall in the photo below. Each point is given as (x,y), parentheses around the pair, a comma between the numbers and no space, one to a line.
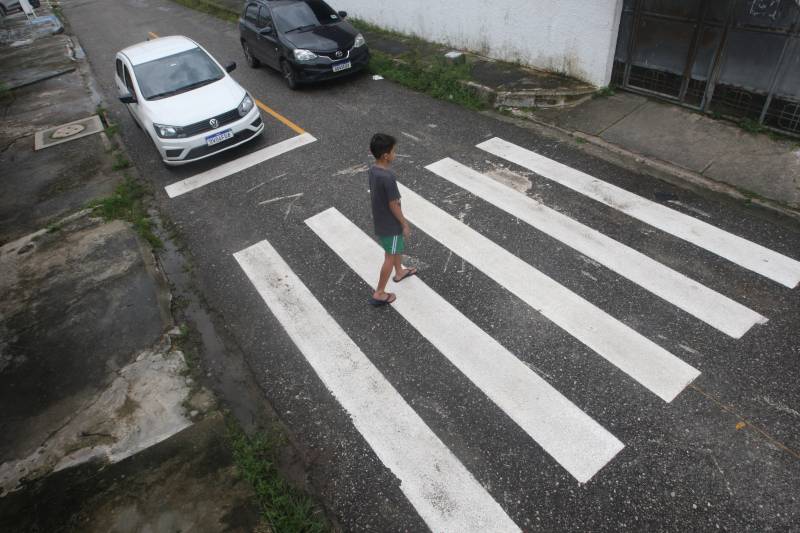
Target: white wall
(575,37)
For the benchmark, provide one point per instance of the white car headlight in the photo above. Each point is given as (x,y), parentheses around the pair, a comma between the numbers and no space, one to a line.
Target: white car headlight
(168,132)
(246,105)
(304,55)
(360,41)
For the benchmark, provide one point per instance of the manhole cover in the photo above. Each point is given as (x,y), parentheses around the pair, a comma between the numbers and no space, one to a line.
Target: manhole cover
(67,131)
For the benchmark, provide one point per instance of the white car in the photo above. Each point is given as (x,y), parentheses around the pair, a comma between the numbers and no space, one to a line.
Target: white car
(184,100)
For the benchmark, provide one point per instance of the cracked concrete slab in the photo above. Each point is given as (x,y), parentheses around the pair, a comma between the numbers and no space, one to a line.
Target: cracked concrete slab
(53,57)
(140,408)
(79,304)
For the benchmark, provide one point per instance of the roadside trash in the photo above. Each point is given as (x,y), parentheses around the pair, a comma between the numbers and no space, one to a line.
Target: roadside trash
(377,77)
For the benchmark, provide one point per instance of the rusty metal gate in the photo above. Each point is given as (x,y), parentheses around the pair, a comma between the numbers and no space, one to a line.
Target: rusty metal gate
(734,58)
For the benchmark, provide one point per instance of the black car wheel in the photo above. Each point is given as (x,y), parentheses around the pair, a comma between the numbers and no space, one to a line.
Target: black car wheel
(252,61)
(288,75)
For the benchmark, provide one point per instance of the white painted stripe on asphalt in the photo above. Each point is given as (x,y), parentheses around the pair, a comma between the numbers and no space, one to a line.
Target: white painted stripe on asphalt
(744,253)
(217,173)
(713,308)
(570,436)
(643,360)
(444,493)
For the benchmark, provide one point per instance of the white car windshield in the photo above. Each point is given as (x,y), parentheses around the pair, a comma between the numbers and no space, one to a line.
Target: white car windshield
(177,73)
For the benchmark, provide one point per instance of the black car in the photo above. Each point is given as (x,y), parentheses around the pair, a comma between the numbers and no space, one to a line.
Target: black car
(306,40)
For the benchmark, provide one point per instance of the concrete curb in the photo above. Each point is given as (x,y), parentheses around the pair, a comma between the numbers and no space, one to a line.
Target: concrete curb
(656,168)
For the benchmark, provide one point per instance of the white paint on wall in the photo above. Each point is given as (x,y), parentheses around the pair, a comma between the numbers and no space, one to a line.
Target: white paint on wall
(574,37)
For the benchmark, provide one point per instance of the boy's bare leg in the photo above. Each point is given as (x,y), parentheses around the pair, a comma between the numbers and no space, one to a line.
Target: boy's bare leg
(386,271)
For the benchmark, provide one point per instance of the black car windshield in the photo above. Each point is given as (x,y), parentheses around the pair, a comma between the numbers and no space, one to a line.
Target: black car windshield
(177,73)
(303,15)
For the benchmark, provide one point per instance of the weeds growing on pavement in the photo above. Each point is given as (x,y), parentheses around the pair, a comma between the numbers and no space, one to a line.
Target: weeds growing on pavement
(112,129)
(436,77)
(283,507)
(120,162)
(751,126)
(127,203)
(212,8)
(6,95)
(605,91)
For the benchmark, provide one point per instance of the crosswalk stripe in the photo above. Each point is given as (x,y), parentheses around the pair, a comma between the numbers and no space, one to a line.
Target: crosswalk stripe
(444,493)
(570,436)
(711,307)
(643,360)
(237,165)
(747,254)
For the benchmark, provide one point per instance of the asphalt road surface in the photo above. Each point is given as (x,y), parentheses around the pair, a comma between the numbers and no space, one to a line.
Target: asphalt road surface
(584,349)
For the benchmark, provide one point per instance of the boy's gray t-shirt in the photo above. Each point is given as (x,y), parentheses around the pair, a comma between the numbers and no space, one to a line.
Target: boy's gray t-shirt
(382,190)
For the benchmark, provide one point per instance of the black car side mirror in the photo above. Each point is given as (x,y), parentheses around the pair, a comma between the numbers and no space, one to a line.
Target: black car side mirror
(343,14)
(230,67)
(127,98)
(266,30)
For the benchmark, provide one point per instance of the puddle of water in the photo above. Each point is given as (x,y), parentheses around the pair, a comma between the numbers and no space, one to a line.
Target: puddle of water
(226,372)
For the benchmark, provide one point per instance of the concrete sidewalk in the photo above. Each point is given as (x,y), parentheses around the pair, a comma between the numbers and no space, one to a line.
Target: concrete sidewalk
(703,151)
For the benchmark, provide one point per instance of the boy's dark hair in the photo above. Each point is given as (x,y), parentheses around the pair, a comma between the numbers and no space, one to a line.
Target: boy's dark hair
(381,143)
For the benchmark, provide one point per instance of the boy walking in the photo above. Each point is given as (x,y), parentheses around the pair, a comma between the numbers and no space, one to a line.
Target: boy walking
(390,224)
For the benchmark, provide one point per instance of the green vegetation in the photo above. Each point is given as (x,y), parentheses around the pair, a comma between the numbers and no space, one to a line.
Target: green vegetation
(605,91)
(751,126)
(212,8)
(112,129)
(422,67)
(285,508)
(127,203)
(431,75)
(6,94)
(120,161)
(53,227)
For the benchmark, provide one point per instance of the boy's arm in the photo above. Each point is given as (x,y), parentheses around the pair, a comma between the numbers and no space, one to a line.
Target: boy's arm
(394,207)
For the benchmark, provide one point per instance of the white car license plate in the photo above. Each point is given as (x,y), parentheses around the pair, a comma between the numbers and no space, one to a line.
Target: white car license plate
(342,66)
(211,140)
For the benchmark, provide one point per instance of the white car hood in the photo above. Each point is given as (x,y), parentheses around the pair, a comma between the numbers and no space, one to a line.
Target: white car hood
(196,105)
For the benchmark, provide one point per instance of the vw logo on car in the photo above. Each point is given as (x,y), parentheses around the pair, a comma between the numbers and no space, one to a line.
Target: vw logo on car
(213,123)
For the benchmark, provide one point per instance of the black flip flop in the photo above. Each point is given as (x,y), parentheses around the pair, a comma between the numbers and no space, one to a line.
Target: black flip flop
(410,272)
(374,302)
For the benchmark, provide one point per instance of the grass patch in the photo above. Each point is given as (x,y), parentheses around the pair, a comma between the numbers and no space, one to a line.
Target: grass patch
(285,508)
(127,203)
(422,68)
(433,76)
(212,8)
(120,162)
(751,126)
(605,91)
(6,94)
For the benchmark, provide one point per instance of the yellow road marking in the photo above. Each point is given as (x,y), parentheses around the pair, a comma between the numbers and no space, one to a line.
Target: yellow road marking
(297,129)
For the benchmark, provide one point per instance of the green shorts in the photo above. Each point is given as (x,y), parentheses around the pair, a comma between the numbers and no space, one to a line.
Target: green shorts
(393,245)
